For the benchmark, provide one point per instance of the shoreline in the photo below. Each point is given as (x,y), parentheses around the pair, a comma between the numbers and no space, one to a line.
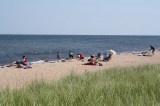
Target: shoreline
(54,59)
(53,70)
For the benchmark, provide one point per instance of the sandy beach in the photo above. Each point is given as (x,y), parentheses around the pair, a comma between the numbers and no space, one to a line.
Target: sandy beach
(16,77)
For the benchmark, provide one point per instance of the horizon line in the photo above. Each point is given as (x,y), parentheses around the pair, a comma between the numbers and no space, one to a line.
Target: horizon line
(87,34)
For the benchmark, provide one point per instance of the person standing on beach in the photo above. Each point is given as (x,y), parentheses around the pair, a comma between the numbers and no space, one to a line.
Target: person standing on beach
(152,49)
(70,55)
(58,55)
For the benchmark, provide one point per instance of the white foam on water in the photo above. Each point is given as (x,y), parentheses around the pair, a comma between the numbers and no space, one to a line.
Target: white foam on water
(39,61)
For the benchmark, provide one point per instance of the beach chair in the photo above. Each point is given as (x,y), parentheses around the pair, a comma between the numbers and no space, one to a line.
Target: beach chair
(104,56)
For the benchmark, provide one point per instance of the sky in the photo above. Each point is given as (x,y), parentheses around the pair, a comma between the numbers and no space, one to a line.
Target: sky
(80,17)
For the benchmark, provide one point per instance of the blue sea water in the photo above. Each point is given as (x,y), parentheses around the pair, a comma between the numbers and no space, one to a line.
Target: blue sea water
(45,47)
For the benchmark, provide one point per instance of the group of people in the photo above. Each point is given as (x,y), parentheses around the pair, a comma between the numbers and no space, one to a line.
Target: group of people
(71,56)
(93,60)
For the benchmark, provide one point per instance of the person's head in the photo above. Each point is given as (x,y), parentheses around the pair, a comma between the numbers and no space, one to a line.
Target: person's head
(92,56)
(23,57)
(98,55)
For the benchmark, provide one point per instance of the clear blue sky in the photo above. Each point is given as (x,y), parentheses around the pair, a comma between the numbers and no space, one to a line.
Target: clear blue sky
(104,17)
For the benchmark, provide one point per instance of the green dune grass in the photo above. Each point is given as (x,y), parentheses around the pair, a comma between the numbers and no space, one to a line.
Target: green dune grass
(130,86)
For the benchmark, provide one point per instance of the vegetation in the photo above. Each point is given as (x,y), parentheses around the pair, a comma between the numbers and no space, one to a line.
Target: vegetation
(131,86)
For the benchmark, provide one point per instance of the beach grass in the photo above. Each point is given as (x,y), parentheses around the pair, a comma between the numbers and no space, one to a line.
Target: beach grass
(127,86)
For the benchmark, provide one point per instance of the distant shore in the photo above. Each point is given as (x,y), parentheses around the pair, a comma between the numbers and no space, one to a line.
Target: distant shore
(53,70)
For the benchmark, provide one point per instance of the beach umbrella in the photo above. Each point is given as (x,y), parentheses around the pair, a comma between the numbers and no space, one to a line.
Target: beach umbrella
(112,52)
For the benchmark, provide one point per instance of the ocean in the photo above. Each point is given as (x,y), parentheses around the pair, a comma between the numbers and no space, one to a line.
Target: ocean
(45,47)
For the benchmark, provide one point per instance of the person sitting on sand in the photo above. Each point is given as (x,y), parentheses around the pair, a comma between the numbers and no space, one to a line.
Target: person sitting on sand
(23,63)
(107,58)
(91,61)
(104,56)
(98,56)
(152,49)
(80,56)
